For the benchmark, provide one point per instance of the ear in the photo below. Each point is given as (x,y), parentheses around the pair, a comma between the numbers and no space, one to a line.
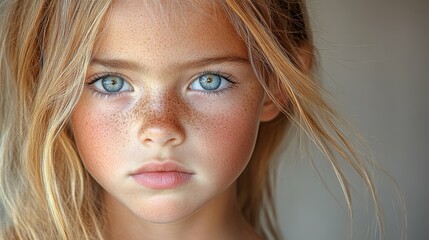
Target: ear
(269,110)
(305,56)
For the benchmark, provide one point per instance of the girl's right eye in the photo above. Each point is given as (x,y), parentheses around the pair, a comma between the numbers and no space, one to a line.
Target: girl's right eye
(110,84)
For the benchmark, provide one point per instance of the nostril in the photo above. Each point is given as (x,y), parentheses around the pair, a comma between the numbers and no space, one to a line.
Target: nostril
(161,137)
(147,141)
(160,141)
(172,141)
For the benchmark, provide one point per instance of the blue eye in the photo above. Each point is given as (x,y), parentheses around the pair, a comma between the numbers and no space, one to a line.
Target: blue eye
(111,84)
(209,82)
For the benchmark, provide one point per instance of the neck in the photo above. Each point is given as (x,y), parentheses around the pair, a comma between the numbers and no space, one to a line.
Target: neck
(219,219)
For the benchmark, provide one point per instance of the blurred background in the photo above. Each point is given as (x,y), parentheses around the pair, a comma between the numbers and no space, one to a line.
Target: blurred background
(374,58)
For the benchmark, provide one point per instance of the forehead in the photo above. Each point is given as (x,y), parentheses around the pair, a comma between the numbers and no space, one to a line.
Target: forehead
(162,32)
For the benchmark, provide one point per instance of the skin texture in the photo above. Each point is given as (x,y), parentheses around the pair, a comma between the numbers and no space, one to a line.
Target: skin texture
(160,117)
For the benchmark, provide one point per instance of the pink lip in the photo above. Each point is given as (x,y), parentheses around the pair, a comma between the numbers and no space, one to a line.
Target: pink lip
(161,175)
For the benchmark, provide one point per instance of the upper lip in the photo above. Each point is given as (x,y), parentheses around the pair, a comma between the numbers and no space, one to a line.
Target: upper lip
(158,166)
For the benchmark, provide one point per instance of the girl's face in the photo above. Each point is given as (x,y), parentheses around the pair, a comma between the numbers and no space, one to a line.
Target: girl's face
(170,111)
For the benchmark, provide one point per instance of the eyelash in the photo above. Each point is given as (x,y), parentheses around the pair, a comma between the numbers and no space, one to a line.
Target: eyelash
(227,77)
(98,76)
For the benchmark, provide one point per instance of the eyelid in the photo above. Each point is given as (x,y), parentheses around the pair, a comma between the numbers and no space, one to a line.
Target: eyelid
(99,92)
(226,76)
(95,77)
(229,83)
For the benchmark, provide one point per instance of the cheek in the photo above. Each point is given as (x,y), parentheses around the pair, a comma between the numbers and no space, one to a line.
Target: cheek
(99,139)
(228,137)
(235,143)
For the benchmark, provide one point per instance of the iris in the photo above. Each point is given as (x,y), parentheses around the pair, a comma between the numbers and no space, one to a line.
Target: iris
(112,83)
(210,81)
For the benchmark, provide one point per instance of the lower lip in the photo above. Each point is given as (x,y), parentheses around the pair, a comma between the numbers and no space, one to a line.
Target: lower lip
(162,180)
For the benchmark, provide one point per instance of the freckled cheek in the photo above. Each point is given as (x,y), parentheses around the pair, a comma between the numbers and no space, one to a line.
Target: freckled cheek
(228,141)
(100,140)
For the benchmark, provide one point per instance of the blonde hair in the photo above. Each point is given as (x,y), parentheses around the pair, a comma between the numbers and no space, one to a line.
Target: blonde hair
(45,49)
(277,34)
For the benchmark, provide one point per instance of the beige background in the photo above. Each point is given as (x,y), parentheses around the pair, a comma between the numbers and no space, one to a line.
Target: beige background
(374,57)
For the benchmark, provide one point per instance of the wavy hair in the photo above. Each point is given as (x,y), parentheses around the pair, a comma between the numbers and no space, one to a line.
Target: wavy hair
(45,48)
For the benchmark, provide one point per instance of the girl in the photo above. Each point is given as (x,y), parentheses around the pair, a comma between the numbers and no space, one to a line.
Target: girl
(154,119)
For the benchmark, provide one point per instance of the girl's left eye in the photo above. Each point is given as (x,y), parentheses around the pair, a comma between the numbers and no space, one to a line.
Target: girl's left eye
(210,82)
(111,84)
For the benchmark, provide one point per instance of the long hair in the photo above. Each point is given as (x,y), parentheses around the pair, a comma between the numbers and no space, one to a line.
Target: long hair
(277,34)
(45,48)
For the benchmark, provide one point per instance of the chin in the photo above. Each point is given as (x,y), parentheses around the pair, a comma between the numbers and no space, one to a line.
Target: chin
(165,212)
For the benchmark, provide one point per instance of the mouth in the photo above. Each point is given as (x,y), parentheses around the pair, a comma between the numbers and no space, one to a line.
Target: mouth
(162,175)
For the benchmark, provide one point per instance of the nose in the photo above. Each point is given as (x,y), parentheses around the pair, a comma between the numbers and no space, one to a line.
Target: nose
(161,121)
(162,136)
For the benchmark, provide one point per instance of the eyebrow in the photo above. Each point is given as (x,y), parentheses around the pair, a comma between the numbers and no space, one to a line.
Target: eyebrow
(135,66)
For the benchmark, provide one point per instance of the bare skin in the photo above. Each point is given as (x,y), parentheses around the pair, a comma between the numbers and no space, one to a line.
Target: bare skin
(168,121)
(221,222)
